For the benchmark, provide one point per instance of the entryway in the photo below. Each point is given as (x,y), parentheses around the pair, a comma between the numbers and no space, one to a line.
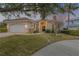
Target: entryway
(43,28)
(42,25)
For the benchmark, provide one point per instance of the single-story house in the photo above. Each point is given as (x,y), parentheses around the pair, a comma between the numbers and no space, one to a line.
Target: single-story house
(28,25)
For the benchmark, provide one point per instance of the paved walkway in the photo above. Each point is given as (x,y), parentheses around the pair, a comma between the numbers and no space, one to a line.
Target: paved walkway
(62,48)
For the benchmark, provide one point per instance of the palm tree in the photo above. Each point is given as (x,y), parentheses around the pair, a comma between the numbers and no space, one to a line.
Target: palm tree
(69,8)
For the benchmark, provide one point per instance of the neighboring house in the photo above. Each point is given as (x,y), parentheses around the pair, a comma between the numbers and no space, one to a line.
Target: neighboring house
(73,24)
(28,25)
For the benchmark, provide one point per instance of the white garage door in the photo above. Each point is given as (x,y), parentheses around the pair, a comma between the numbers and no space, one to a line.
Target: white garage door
(17,28)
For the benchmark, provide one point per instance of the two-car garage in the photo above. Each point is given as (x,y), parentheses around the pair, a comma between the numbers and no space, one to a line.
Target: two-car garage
(17,28)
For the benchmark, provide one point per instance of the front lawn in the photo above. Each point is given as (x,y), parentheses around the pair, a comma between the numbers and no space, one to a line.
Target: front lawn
(22,45)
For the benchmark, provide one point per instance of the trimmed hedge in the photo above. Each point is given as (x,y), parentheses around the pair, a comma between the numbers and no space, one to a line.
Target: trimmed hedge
(71,32)
(3,30)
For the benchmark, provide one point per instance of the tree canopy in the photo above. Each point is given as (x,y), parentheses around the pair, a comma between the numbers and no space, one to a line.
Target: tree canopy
(43,8)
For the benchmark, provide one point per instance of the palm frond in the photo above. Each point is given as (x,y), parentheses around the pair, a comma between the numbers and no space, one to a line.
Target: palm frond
(73,13)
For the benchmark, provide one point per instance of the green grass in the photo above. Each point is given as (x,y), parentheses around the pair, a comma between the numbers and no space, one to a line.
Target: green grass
(23,45)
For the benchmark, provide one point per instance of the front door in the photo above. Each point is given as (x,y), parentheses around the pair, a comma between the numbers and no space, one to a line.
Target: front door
(43,28)
(42,25)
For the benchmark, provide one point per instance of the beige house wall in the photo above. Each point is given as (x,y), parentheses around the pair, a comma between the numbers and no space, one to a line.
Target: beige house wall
(49,26)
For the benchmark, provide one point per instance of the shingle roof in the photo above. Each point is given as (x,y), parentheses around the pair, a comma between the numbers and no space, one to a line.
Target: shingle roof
(19,19)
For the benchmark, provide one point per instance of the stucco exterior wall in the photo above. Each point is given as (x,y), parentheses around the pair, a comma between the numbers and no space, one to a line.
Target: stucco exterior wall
(49,26)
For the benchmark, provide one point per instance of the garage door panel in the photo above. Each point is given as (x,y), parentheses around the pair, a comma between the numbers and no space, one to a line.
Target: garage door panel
(17,28)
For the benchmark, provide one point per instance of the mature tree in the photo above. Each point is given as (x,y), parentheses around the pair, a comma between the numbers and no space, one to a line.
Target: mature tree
(14,9)
(43,9)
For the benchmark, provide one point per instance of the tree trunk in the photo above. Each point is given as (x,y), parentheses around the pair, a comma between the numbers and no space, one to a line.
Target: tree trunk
(55,25)
(68,15)
(68,20)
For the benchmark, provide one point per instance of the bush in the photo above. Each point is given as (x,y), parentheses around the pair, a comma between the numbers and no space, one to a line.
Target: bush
(71,32)
(74,32)
(36,31)
(65,28)
(65,31)
(49,31)
(3,25)
(3,30)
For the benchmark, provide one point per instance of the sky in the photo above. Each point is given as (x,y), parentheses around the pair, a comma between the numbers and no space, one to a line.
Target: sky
(64,17)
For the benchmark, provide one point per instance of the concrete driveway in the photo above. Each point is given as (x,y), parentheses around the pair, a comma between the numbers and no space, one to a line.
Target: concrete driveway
(6,34)
(62,48)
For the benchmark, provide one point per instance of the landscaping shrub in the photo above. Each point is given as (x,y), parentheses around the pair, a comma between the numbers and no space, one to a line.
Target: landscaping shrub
(65,28)
(3,25)
(49,31)
(71,32)
(65,31)
(3,30)
(36,31)
(74,32)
